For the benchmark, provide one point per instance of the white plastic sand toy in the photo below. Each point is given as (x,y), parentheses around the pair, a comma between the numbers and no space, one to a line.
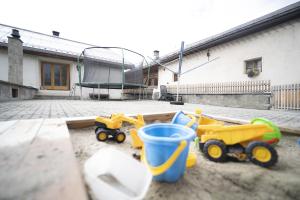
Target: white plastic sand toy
(112,174)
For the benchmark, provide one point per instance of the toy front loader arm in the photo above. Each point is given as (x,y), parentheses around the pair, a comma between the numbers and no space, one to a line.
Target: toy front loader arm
(138,122)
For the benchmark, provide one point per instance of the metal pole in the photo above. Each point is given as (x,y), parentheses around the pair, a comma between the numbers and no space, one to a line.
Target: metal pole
(99,92)
(179,69)
(123,73)
(143,79)
(108,81)
(80,92)
(177,95)
(79,77)
(140,90)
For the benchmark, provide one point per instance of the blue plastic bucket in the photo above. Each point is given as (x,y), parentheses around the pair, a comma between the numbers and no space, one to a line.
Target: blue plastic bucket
(182,119)
(161,142)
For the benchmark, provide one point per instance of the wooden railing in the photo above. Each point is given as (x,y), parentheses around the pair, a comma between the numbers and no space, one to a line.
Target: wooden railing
(286,97)
(240,87)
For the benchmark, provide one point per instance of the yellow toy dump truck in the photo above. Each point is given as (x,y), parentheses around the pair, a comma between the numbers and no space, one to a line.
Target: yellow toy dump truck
(241,141)
(110,127)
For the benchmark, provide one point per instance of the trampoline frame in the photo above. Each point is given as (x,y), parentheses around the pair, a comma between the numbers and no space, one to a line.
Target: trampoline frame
(108,85)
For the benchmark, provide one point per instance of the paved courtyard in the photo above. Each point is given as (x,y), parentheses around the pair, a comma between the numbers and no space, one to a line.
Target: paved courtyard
(33,109)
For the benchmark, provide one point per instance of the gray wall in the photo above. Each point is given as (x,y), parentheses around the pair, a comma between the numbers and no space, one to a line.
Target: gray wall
(23,92)
(15,60)
(256,101)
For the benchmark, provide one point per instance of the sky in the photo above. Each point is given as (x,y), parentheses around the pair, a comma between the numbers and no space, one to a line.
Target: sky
(140,25)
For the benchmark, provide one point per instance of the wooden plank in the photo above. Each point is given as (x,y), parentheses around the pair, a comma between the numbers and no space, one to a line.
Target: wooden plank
(83,122)
(149,117)
(80,122)
(48,168)
(15,143)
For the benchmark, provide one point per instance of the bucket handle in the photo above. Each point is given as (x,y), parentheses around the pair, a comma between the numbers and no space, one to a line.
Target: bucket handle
(193,120)
(157,170)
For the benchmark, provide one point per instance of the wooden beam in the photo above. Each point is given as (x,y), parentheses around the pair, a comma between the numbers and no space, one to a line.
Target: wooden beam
(37,162)
(163,117)
(80,122)
(83,122)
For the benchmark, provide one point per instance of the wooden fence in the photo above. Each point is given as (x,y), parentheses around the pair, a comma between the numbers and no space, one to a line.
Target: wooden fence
(282,96)
(240,87)
(286,97)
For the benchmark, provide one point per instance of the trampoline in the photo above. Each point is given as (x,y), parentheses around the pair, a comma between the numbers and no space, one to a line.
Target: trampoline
(111,68)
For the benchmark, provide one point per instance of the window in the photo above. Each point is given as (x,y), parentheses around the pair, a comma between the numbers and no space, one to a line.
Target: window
(14,92)
(253,67)
(175,77)
(55,76)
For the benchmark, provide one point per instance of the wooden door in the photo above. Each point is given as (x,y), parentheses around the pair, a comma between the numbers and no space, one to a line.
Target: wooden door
(55,76)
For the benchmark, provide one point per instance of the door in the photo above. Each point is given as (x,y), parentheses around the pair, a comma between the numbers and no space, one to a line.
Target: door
(55,76)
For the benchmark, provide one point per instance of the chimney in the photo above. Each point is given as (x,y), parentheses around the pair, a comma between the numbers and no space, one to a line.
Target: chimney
(55,33)
(15,58)
(156,54)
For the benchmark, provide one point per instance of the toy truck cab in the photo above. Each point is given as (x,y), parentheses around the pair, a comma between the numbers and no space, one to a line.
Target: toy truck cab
(109,128)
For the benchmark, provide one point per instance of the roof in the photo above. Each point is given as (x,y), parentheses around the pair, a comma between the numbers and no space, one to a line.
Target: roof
(49,45)
(272,19)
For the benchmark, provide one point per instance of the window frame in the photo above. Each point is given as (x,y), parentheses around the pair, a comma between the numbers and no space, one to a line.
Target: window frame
(251,60)
(53,86)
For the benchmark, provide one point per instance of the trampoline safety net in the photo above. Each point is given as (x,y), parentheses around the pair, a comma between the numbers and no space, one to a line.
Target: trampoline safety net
(112,67)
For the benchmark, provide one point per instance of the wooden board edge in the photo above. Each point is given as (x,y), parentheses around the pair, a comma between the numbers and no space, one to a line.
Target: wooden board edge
(84,122)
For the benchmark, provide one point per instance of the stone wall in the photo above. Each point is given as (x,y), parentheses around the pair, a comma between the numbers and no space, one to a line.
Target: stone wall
(15,60)
(11,91)
(255,101)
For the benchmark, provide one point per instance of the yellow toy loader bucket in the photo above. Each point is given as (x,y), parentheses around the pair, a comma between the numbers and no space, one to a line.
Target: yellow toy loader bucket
(136,141)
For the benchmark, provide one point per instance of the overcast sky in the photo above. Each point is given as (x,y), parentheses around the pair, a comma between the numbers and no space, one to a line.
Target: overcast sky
(140,25)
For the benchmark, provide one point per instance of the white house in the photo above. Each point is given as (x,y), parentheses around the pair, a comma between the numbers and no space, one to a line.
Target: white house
(264,51)
(37,64)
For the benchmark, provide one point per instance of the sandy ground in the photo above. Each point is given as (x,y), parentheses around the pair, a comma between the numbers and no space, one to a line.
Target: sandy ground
(209,180)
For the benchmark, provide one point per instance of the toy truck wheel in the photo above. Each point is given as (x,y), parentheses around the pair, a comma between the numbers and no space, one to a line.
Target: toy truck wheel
(262,154)
(215,150)
(120,137)
(96,129)
(101,135)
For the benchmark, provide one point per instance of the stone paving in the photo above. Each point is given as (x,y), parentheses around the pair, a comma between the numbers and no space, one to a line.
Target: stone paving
(32,109)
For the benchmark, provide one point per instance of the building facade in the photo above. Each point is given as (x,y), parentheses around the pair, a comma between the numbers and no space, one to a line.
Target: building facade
(263,50)
(276,51)
(41,65)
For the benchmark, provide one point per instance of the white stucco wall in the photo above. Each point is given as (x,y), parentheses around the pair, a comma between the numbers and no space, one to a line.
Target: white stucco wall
(3,65)
(279,48)
(32,75)
(32,72)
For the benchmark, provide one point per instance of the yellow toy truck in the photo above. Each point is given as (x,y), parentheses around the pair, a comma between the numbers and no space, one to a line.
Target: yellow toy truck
(110,127)
(241,141)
